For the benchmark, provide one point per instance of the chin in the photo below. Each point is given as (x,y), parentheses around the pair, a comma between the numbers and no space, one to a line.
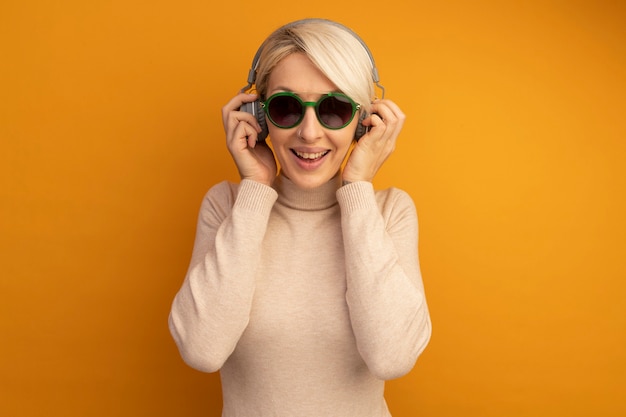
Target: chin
(309,182)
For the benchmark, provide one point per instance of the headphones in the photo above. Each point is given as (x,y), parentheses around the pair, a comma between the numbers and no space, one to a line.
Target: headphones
(255,108)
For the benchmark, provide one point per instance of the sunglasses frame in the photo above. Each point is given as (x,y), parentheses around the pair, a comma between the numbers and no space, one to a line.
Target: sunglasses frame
(315,104)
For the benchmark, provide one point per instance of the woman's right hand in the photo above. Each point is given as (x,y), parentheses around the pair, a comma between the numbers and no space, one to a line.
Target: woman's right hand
(255,160)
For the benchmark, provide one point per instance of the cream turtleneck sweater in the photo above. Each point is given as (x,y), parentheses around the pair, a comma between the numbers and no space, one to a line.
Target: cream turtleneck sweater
(305,300)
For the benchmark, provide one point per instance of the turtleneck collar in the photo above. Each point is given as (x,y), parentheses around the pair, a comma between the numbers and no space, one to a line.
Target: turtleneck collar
(319,198)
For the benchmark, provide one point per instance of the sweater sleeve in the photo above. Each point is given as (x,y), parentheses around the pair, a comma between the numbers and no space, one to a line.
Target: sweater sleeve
(385,293)
(211,310)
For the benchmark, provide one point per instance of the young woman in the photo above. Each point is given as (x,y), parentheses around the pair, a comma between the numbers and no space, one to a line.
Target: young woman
(304,288)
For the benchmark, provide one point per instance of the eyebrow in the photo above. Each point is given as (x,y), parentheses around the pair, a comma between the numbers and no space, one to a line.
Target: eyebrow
(281,88)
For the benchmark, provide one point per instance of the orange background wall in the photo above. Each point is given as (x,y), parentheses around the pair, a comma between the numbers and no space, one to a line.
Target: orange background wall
(514,151)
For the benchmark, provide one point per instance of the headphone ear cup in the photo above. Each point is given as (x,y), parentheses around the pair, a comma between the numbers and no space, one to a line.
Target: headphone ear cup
(260,117)
(360,129)
(256,110)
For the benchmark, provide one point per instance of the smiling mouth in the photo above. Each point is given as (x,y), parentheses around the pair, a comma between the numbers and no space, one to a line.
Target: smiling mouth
(310,156)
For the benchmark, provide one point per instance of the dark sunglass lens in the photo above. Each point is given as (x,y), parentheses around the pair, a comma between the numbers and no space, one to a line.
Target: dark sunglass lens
(335,111)
(285,111)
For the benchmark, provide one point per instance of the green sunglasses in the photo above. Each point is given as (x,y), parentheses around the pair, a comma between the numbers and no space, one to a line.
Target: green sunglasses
(286,110)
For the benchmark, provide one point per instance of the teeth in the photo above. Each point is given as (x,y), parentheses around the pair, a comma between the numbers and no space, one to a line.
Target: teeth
(305,155)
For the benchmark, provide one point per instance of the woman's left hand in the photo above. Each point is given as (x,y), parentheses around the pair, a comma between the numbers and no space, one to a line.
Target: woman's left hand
(373,149)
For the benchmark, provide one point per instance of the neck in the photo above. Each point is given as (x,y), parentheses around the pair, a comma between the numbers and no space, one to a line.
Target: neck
(298,198)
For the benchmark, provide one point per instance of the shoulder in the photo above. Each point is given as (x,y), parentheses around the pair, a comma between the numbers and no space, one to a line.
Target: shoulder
(219,200)
(247,195)
(221,193)
(390,198)
(361,195)
(397,207)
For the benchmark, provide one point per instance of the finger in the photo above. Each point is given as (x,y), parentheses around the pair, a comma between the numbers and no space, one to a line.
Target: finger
(241,137)
(376,125)
(385,112)
(248,134)
(235,104)
(241,98)
(392,116)
(234,118)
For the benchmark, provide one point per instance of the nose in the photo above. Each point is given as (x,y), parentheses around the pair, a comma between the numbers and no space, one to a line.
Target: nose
(310,128)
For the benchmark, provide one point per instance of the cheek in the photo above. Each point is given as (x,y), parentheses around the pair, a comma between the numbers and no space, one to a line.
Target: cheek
(344,144)
(346,139)
(277,136)
(278,139)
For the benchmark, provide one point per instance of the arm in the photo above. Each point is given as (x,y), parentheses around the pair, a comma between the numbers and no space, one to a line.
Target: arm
(385,293)
(211,309)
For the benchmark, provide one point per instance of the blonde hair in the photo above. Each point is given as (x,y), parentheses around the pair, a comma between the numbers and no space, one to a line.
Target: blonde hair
(333,48)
